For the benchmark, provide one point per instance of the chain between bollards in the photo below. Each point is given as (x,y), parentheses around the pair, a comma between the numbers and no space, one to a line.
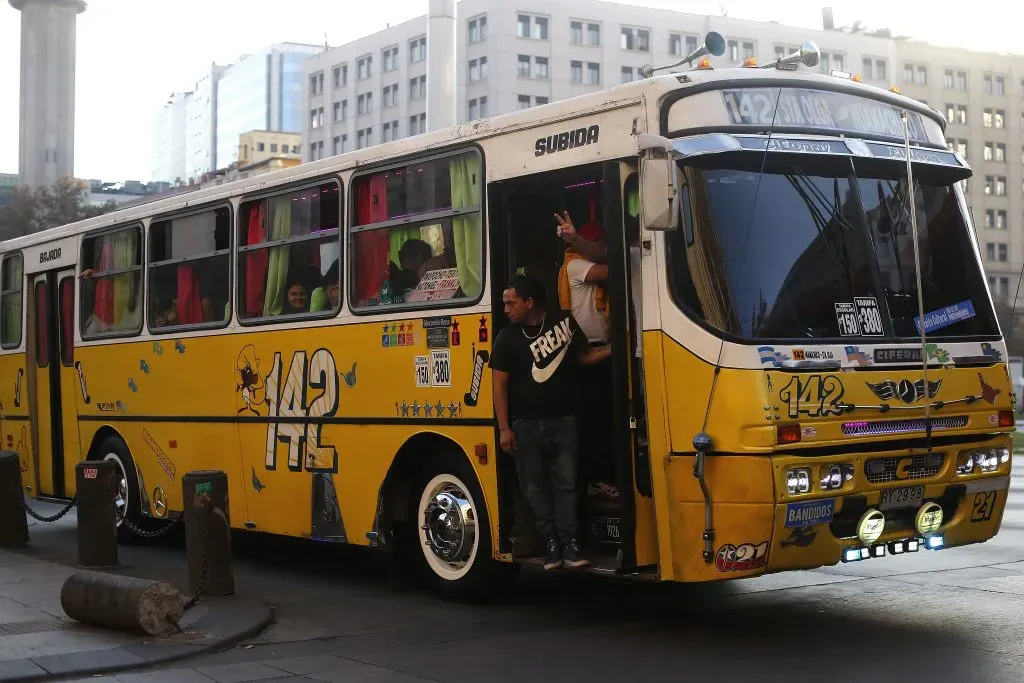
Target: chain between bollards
(163,531)
(36,516)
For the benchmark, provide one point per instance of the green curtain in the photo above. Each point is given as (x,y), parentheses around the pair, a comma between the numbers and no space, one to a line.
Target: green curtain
(466,232)
(277,266)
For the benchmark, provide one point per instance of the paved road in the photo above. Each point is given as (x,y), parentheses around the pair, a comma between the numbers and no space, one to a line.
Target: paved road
(956,614)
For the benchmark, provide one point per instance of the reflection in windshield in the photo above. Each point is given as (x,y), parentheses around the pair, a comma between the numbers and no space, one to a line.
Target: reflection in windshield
(791,257)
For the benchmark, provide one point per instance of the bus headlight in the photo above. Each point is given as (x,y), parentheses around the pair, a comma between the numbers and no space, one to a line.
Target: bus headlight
(981,459)
(834,476)
(798,480)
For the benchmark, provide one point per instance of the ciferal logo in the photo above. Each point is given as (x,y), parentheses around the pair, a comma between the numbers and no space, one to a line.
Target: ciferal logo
(567,140)
(905,390)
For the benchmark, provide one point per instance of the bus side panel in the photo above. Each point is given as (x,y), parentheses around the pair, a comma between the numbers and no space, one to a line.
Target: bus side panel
(171,400)
(15,434)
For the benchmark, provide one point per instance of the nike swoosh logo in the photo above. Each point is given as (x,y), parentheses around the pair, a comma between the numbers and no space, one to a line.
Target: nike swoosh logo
(541,375)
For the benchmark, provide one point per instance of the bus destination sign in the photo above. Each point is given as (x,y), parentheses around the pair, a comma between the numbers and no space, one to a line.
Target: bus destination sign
(821,109)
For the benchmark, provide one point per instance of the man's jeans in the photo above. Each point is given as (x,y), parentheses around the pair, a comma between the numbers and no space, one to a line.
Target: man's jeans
(546,457)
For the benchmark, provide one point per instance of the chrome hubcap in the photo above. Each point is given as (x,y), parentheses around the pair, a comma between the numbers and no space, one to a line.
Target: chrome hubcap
(450,525)
(121,492)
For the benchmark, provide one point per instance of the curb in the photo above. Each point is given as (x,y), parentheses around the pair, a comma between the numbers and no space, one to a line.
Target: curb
(238,619)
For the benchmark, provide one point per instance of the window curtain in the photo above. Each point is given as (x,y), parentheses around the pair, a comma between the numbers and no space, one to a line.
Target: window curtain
(255,262)
(190,308)
(277,266)
(114,300)
(466,230)
(373,248)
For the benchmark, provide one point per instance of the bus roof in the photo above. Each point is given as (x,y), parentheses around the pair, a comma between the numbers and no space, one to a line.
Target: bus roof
(651,90)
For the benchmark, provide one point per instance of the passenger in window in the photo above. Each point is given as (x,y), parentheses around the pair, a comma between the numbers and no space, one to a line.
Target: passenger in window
(327,297)
(534,400)
(413,257)
(297,298)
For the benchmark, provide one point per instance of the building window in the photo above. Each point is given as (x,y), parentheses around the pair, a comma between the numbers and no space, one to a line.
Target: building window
(1000,86)
(956,113)
(11,276)
(420,191)
(417,50)
(389,131)
(189,262)
(312,151)
(990,251)
(874,69)
(111,296)
(990,217)
(364,104)
(783,50)
(316,118)
(260,147)
(576,71)
(681,45)
(1000,186)
(1002,252)
(740,50)
(990,183)
(391,95)
(1001,220)
(1001,152)
(478,69)
(539,100)
(542,67)
(593,34)
(417,124)
(316,83)
(474,111)
(390,58)
(915,74)
(273,147)
(986,84)
(576,32)
(948,79)
(478,29)
(529,26)
(364,138)
(340,75)
(365,67)
(338,112)
(999,118)
(594,73)
(523,102)
(832,61)
(417,88)
(627,74)
(961,80)
(523,67)
(281,266)
(635,39)
(339,144)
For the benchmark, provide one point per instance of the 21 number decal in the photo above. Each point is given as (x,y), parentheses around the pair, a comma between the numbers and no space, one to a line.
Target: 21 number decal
(297,397)
(743,558)
(983,507)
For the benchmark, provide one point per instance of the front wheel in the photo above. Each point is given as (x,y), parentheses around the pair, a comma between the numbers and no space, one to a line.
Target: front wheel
(454,535)
(126,497)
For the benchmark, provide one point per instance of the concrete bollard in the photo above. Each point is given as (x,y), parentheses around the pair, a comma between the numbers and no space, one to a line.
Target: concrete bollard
(207,532)
(13,523)
(122,602)
(95,481)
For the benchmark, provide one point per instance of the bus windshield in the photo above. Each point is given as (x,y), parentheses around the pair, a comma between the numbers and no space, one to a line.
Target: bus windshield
(822,249)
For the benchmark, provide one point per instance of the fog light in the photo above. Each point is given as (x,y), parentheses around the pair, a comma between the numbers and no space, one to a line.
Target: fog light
(879,551)
(912,545)
(798,480)
(983,459)
(851,554)
(928,519)
(833,476)
(870,526)
(935,542)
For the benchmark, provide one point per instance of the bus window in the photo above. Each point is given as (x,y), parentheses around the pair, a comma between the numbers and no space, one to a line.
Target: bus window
(189,270)
(10,301)
(111,302)
(289,253)
(417,233)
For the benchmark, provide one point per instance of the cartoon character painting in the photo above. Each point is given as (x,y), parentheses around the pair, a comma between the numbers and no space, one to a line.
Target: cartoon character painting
(249,381)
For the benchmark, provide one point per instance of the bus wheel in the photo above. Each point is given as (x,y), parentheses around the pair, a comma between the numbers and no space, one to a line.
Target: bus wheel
(127,502)
(454,535)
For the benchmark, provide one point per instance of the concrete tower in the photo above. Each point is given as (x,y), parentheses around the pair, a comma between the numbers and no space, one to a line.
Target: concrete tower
(46,145)
(441,64)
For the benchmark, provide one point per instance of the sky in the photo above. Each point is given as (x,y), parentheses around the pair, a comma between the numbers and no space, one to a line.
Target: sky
(132,54)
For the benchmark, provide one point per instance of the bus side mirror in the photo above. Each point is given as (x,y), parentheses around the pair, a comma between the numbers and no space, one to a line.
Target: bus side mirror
(659,194)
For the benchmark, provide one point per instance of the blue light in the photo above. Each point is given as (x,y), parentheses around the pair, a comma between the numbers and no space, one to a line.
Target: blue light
(935,542)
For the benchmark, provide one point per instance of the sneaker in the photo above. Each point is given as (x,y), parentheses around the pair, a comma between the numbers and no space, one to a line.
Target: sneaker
(574,557)
(554,557)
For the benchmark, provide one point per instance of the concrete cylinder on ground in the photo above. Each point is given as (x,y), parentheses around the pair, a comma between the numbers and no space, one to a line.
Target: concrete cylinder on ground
(96,483)
(208,532)
(13,524)
(122,602)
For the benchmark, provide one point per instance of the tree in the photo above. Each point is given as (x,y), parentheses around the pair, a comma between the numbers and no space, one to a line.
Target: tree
(47,207)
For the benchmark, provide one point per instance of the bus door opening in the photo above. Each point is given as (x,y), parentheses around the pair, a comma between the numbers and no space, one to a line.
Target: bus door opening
(524,214)
(55,411)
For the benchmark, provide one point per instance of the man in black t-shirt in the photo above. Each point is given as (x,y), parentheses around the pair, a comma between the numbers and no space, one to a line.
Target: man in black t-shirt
(534,397)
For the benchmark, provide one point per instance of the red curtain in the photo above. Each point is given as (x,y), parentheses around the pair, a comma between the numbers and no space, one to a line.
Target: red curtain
(255,263)
(189,309)
(372,248)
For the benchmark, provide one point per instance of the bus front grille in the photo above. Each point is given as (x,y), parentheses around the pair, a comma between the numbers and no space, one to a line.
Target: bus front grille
(883,427)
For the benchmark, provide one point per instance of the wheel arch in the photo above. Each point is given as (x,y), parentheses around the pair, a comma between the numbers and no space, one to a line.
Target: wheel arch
(94,453)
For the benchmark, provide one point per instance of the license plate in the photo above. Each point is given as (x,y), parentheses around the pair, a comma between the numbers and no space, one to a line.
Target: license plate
(906,497)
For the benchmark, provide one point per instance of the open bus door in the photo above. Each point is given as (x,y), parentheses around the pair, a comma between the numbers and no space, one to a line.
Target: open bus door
(54,411)
(622,535)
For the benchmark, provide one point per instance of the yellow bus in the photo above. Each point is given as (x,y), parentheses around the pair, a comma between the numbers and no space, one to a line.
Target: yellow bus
(820,375)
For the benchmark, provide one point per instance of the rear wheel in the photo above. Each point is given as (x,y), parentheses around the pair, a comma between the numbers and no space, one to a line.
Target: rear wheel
(453,533)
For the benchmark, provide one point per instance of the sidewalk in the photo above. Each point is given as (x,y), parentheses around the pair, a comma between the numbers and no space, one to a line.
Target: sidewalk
(39,642)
